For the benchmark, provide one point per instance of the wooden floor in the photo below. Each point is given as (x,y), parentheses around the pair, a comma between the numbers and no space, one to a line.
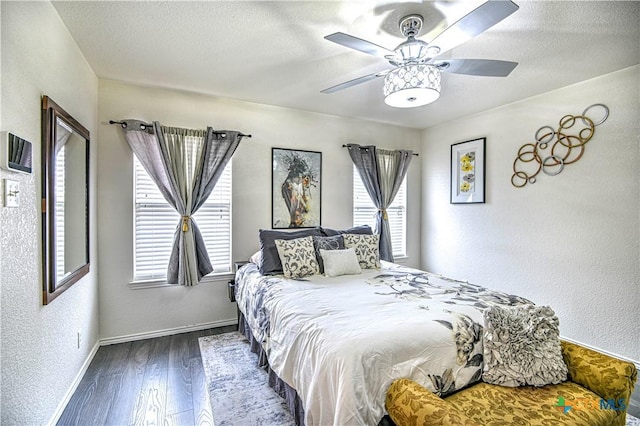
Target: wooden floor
(147,382)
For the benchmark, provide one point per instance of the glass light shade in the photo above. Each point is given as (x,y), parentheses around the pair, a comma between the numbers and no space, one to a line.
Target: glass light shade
(412,86)
(412,50)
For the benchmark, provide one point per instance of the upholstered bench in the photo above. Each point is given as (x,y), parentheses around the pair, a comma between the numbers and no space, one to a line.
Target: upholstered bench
(596,393)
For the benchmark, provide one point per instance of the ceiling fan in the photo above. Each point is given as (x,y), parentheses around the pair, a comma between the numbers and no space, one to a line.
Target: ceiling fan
(415,79)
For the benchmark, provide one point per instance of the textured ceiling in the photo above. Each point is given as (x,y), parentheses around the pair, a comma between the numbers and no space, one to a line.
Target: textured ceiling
(275,53)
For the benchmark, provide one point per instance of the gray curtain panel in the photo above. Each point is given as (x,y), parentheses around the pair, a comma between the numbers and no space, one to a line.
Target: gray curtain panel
(382,172)
(185,164)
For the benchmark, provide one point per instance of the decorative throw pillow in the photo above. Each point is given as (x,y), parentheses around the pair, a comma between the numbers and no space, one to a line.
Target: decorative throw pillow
(340,262)
(360,229)
(270,258)
(326,243)
(366,247)
(522,346)
(298,257)
(256,258)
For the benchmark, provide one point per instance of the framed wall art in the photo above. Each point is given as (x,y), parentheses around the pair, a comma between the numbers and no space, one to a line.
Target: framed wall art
(295,188)
(467,171)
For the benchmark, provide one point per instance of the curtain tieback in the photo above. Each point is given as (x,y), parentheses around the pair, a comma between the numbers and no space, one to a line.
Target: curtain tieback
(384,214)
(185,223)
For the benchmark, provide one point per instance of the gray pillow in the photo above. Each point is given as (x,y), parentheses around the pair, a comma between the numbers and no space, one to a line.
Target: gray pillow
(361,229)
(327,243)
(522,346)
(271,264)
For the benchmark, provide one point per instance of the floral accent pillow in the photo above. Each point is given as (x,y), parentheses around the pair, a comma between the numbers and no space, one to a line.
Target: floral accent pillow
(270,263)
(326,243)
(298,257)
(366,247)
(522,346)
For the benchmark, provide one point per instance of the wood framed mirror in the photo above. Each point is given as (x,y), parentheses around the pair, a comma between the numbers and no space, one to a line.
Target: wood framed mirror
(65,200)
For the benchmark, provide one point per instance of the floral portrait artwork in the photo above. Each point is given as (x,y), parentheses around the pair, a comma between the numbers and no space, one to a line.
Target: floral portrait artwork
(296,188)
(468,171)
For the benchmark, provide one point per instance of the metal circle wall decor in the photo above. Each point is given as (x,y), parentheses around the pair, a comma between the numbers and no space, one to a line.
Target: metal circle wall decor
(562,147)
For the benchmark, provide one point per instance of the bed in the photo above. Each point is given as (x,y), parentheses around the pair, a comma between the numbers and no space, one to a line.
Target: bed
(333,345)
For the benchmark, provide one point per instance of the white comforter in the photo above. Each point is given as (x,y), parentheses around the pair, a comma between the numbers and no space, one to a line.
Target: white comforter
(340,342)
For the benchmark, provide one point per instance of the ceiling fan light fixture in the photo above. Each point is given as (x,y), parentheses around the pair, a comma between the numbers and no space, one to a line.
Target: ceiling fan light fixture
(412,86)
(412,51)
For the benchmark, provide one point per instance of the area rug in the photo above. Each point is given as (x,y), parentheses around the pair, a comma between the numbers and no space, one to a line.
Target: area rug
(238,389)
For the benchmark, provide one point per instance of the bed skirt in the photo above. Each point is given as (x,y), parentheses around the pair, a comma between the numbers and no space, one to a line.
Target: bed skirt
(283,389)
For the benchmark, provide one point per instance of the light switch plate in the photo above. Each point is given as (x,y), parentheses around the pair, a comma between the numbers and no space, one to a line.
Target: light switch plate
(11,193)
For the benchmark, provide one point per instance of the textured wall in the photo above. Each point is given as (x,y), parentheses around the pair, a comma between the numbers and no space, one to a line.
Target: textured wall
(570,241)
(124,311)
(39,356)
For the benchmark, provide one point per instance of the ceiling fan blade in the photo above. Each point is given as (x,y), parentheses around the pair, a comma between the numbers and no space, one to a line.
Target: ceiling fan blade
(359,44)
(482,67)
(355,81)
(475,22)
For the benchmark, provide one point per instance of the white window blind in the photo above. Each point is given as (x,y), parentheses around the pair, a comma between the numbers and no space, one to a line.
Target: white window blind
(364,213)
(59,211)
(155,223)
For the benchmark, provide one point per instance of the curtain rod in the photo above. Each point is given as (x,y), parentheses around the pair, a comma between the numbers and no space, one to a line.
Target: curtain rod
(415,153)
(123,124)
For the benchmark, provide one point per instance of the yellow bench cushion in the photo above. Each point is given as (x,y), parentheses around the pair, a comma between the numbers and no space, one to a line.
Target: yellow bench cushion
(527,405)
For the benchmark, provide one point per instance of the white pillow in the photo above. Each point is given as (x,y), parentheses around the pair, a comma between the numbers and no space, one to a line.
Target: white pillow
(256,258)
(340,262)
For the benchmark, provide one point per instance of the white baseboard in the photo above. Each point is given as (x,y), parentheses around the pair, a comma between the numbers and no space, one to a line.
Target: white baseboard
(166,332)
(123,339)
(74,385)
(624,358)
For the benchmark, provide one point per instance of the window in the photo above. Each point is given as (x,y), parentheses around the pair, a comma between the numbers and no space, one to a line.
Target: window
(364,213)
(155,222)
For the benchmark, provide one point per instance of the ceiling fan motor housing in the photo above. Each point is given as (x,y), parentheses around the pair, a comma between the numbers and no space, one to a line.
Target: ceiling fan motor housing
(412,51)
(411,25)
